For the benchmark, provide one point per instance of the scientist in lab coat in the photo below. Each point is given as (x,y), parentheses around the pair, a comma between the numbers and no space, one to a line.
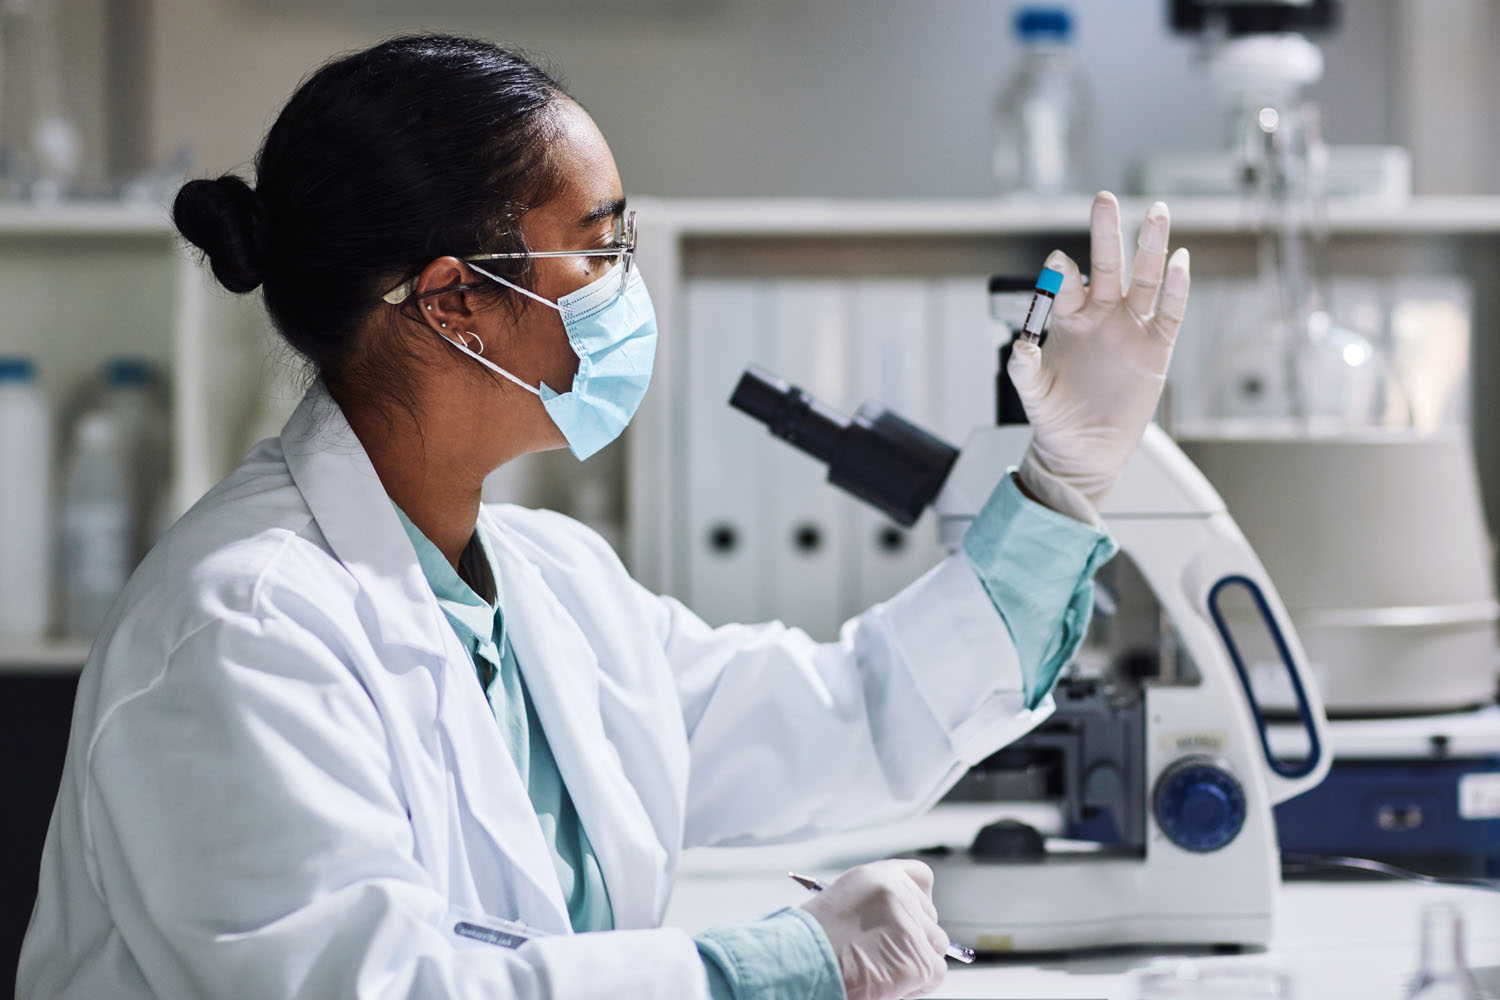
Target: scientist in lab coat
(350,733)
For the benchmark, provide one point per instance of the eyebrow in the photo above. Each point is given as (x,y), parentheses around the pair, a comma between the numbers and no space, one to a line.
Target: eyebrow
(606,210)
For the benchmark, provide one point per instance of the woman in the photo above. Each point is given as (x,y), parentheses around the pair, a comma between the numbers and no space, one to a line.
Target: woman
(345,722)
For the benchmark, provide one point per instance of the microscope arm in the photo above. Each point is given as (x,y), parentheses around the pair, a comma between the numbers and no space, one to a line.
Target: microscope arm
(1172,523)
(1162,511)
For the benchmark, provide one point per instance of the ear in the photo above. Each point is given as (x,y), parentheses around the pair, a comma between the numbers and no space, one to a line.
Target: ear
(444,311)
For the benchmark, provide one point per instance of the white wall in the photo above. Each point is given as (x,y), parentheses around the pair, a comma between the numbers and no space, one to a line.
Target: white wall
(753,97)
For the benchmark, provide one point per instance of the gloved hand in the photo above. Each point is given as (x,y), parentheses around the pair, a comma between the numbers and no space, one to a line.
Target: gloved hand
(883,927)
(1091,390)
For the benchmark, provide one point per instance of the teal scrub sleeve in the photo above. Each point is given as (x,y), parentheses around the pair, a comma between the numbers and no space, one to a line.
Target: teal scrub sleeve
(1038,567)
(783,956)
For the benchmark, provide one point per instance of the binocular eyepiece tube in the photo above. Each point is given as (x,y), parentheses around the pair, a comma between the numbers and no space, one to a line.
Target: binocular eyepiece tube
(878,456)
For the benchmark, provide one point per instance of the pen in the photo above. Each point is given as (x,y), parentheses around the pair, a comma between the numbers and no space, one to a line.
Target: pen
(958,951)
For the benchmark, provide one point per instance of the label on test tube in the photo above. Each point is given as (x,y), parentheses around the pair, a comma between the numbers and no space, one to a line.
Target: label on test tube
(1047,285)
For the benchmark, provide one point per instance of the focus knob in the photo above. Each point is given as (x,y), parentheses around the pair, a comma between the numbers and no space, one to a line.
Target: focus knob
(1200,805)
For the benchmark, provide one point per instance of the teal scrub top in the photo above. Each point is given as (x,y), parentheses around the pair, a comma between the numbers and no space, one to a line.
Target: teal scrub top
(480,626)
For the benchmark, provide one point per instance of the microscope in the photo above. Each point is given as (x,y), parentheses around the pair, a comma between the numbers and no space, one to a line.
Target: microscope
(1157,756)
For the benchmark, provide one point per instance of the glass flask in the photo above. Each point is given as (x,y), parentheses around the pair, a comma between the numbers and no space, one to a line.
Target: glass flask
(1443,972)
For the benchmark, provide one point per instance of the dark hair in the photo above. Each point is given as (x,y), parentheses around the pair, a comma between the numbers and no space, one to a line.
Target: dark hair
(383,160)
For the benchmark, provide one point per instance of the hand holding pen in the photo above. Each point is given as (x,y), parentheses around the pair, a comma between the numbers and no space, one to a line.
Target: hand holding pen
(883,928)
(955,951)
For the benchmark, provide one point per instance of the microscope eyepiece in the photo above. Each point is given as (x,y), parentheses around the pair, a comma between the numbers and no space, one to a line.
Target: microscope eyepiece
(879,457)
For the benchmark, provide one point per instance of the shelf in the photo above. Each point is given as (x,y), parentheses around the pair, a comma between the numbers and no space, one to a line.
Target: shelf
(795,217)
(52,657)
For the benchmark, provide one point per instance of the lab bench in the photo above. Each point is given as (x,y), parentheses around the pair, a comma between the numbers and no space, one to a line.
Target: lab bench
(1337,940)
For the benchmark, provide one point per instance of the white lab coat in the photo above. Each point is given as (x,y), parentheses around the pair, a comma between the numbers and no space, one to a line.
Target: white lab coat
(283,779)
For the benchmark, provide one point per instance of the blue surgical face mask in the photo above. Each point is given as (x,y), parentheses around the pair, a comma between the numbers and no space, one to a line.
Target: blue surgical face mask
(613,332)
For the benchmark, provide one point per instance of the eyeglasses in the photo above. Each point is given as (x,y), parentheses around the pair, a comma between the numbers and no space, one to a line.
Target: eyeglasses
(621,251)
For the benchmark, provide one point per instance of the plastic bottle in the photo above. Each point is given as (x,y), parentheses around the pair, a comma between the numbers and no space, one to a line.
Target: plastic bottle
(1043,119)
(133,398)
(25,503)
(97,530)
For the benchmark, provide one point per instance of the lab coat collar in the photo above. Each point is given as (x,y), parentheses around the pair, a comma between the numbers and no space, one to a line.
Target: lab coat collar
(349,503)
(562,678)
(347,499)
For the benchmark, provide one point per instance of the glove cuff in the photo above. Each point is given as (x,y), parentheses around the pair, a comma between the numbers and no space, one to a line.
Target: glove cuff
(1053,492)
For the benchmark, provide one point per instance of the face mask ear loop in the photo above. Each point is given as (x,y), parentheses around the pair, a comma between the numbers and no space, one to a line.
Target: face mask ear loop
(511,285)
(490,364)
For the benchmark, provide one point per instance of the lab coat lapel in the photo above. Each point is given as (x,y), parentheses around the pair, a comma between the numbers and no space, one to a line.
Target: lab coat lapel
(561,674)
(352,509)
(350,504)
(496,797)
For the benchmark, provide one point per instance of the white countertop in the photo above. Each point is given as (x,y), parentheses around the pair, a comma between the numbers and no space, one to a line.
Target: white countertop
(1337,940)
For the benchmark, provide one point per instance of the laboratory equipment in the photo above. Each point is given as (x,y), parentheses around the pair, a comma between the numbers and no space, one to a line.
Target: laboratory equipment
(1378,543)
(96,524)
(1444,972)
(1419,792)
(878,456)
(1043,117)
(1260,59)
(44,144)
(25,502)
(1163,773)
(1285,357)
(1165,781)
(133,396)
(955,951)
(1337,449)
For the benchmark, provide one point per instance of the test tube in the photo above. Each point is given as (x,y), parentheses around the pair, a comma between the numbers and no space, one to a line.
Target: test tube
(1047,285)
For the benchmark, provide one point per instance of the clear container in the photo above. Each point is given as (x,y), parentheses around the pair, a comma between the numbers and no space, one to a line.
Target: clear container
(1043,115)
(134,398)
(26,527)
(1444,972)
(97,529)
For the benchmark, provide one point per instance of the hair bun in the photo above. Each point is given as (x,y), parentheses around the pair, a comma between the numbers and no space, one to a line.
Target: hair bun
(225,219)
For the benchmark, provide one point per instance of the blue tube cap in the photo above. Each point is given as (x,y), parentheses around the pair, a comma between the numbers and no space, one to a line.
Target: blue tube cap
(1049,281)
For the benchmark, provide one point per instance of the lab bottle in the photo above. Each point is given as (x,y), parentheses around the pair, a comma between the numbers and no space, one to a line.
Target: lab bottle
(1443,972)
(25,503)
(96,529)
(133,398)
(1043,119)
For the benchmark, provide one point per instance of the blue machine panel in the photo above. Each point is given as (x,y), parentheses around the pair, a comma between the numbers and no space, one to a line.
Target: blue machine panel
(1389,809)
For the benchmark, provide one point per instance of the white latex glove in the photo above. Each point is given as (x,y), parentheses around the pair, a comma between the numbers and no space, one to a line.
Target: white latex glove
(1091,390)
(883,927)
